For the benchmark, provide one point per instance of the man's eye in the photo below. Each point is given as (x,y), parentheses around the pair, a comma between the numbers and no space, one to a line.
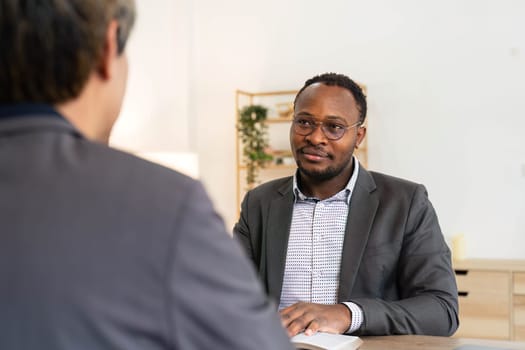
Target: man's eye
(333,126)
(304,122)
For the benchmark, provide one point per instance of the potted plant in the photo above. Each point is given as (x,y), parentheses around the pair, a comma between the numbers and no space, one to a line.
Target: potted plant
(253,133)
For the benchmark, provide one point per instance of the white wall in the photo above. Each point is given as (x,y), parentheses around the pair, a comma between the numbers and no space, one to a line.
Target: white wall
(155,111)
(446,86)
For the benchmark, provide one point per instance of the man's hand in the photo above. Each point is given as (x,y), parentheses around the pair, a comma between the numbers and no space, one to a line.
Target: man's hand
(315,317)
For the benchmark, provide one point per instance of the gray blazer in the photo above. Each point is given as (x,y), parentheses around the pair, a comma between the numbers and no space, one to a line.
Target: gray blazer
(102,250)
(395,263)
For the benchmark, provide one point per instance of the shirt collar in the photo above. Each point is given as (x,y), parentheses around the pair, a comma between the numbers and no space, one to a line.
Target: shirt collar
(344,192)
(27,110)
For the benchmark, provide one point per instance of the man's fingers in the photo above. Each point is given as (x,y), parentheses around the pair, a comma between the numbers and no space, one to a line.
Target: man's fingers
(288,315)
(299,324)
(286,320)
(312,328)
(287,310)
(312,318)
(294,328)
(291,313)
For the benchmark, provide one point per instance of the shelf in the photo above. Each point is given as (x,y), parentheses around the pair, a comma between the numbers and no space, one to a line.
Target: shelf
(272,167)
(268,93)
(275,120)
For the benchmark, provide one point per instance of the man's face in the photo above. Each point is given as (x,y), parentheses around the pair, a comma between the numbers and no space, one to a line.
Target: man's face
(317,157)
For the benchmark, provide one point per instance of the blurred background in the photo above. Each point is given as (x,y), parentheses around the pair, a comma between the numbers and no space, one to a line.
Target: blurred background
(445,82)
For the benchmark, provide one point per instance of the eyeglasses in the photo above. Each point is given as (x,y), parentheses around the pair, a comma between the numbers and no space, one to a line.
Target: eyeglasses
(332,130)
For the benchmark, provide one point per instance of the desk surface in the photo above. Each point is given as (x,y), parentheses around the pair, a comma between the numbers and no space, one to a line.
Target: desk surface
(420,342)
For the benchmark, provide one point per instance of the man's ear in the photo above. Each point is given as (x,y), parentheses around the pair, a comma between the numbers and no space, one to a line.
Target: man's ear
(109,51)
(361,133)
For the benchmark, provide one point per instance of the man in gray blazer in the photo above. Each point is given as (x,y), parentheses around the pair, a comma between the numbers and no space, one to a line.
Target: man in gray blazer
(99,249)
(342,249)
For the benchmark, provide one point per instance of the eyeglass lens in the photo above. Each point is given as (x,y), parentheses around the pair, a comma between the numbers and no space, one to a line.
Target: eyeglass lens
(332,130)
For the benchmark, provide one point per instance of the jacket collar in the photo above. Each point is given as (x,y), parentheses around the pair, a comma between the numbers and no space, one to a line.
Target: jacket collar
(23,118)
(361,215)
(276,238)
(27,110)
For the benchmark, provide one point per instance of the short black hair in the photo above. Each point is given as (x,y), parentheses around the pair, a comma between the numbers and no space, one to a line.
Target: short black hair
(341,80)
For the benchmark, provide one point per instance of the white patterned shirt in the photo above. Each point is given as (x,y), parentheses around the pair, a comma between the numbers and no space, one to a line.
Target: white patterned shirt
(315,246)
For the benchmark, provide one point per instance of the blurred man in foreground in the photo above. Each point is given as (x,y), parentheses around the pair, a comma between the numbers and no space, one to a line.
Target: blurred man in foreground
(99,249)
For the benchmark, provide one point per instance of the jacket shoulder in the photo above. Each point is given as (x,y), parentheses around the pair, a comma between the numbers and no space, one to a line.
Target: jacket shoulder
(391,187)
(281,185)
(128,177)
(384,180)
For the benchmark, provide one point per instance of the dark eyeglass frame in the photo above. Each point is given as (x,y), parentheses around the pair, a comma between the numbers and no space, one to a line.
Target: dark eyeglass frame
(305,130)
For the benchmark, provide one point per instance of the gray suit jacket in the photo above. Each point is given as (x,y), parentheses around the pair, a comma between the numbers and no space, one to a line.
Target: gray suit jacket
(102,250)
(395,263)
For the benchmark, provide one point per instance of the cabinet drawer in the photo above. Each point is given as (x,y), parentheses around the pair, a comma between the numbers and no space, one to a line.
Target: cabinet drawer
(519,283)
(487,283)
(519,317)
(484,304)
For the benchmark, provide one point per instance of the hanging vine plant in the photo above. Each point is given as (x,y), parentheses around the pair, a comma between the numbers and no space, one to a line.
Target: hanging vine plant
(253,132)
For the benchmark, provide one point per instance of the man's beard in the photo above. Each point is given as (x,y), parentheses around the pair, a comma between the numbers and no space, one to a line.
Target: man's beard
(325,174)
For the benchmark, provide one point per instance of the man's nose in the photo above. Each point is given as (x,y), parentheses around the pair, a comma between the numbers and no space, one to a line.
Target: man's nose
(317,136)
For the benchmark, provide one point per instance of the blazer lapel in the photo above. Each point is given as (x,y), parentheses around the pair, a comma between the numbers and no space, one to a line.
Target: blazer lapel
(363,207)
(278,230)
